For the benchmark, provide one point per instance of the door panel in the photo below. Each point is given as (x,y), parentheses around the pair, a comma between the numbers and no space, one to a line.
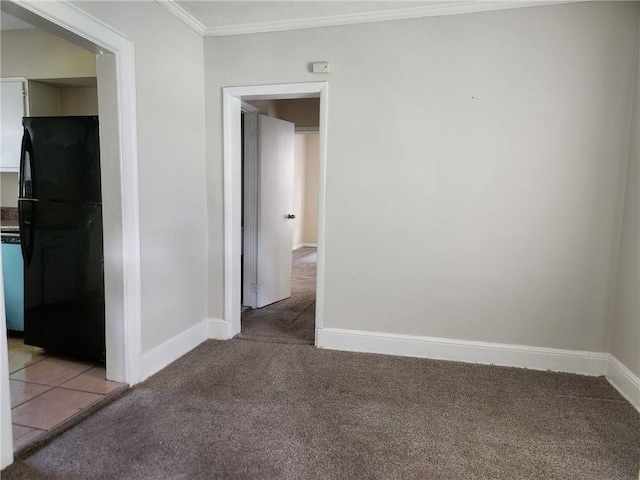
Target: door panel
(275,229)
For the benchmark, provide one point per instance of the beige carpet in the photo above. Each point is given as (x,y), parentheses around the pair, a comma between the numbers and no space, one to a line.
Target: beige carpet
(291,320)
(251,410)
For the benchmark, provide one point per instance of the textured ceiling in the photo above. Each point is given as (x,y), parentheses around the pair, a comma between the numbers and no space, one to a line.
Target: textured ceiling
(213,14)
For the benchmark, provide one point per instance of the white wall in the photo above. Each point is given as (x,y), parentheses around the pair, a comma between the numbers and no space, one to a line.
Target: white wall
(78,101)
(310,214)
(9,189)
(171,136)
(305,189)
(625,337)
(299,167)
(481,156)
(44,99)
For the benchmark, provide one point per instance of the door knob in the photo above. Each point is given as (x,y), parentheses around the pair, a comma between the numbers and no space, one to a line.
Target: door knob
(290,216)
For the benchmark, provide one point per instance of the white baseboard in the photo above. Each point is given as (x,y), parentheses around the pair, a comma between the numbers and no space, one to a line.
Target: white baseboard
(624,380)
(218,329)
(536,358)
(300,245)
(159,357)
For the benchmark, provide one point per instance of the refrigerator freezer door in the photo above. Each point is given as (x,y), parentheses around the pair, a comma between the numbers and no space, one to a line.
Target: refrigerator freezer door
(63,280)
(61,159)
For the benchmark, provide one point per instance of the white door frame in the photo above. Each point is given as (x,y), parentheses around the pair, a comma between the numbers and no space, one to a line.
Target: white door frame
(250,197)
(122,258)
(232,104)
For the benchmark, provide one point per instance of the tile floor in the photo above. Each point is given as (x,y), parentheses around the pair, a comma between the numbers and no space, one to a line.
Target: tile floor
(47,390)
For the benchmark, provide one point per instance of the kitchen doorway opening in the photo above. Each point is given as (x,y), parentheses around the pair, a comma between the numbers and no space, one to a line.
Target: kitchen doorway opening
(118,152)
(279,219)
(234,97)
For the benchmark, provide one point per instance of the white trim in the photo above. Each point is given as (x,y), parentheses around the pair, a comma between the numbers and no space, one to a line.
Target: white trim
(218,329)
(322,198)
(277,91)
(451,8)
(125,356)
(184,16)
(232,139)
(232,205)
(169,351)
(307,130)
(6,437)
(535,358)
(250,193)
(248,108)
(624,380)
(300,245)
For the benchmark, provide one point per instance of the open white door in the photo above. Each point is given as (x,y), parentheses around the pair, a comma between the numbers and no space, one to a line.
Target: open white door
(275,226)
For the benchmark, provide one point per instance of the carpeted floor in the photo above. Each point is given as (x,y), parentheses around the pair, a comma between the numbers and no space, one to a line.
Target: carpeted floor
(291,320)
(250,410)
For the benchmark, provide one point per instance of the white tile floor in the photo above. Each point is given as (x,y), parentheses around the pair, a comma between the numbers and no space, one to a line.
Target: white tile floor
(46,390)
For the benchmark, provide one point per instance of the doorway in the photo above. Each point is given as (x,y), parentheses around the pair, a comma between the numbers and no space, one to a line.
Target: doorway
(232,113)
(116,84)
(279,219)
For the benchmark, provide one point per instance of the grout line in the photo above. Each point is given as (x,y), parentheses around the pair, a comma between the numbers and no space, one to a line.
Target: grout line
(33,383)
(27,426)
(53,386)
(90,391)
(26,366)
(83,391)
(32,398)
(69,379)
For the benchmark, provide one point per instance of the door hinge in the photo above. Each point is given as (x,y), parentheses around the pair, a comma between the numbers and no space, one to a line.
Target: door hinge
(254,287)
(256,133)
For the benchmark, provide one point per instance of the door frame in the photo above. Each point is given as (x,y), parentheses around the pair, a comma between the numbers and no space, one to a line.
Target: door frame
(250,200)
(232,140)
(123,316)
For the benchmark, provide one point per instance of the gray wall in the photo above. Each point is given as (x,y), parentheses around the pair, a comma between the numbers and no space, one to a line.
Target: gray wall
(475,168)
(625,337)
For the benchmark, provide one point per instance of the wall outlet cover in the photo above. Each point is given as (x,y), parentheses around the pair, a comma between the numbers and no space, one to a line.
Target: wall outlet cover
(321,67)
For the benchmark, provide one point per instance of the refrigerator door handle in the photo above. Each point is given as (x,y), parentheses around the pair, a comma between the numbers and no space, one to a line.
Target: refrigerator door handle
(25,217)
(26,167)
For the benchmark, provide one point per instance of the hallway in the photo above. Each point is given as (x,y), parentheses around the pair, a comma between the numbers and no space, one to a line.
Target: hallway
(291,320)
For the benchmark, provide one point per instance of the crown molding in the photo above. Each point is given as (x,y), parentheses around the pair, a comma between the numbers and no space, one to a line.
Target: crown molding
(453,8)
(184,16)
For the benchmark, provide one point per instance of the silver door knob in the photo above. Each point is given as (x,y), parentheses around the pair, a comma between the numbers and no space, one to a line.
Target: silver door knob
(290,216)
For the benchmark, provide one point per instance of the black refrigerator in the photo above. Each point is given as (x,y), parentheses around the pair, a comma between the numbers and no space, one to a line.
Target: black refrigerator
(60,212)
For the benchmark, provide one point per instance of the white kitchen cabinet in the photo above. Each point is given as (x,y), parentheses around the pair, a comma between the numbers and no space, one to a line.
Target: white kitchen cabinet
(14,101)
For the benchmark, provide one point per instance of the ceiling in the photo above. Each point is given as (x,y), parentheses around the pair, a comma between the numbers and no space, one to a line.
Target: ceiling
(216,14)
(225,17)
(214,17)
